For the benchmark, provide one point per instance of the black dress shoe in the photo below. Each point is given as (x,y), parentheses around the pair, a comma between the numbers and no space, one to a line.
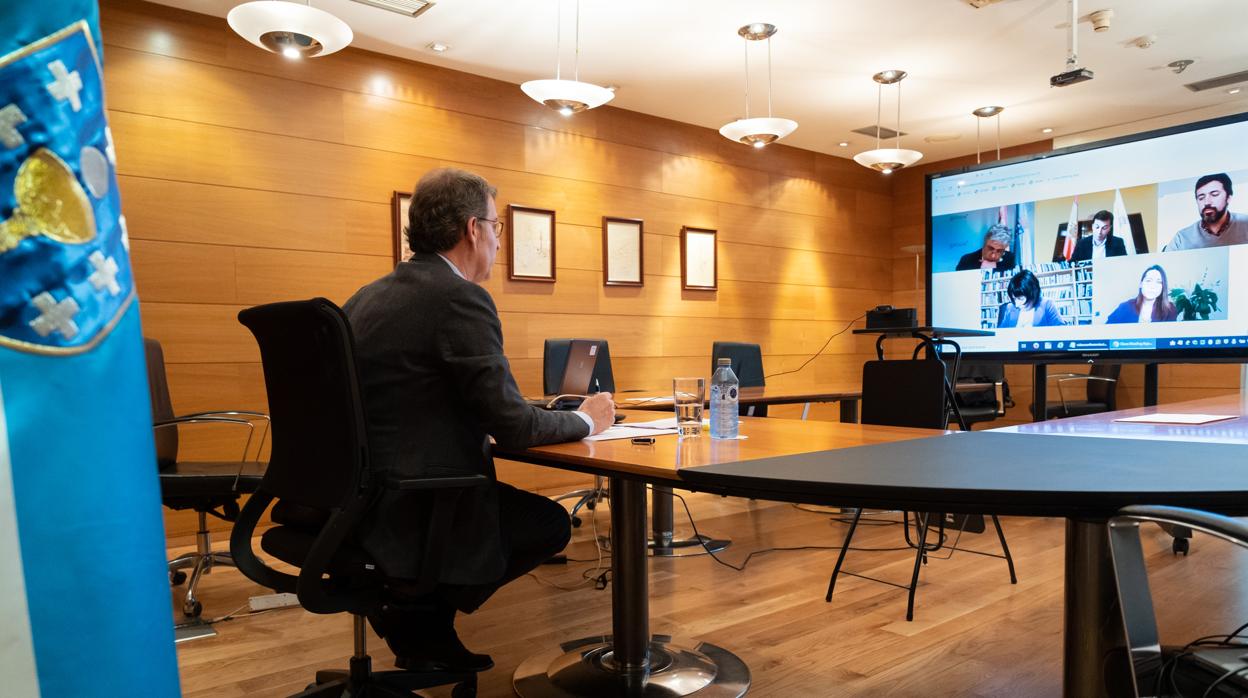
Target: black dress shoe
(458,662)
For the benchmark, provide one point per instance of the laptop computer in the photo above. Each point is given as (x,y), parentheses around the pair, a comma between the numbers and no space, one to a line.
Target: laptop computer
(578,373)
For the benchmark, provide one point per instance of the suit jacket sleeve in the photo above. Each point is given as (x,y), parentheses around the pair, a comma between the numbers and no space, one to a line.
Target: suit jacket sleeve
(1117,247)
(1083,250)
(470,343)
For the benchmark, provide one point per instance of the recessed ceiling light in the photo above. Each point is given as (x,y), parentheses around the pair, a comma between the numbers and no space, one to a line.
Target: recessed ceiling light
(438,47)
(1046,129)
(1233,91)
(844,144)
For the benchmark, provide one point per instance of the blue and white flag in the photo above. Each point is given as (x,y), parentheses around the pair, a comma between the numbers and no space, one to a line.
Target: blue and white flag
(84,597)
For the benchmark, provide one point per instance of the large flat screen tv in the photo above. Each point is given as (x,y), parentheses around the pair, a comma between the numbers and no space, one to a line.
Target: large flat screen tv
(1134,249)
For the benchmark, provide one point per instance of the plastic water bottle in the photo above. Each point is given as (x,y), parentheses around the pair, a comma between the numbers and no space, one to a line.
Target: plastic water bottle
(724,415)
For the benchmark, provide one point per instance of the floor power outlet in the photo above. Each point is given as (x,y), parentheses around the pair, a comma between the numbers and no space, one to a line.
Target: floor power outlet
(269,601)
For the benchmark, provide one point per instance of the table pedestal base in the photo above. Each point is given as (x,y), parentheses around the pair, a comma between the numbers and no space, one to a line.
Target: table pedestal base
(680,547)
(586,668)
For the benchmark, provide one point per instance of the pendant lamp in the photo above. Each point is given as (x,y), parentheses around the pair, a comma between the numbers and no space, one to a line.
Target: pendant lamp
(987,113)
(887,160)
(293,30)
(568,97)
(759,131)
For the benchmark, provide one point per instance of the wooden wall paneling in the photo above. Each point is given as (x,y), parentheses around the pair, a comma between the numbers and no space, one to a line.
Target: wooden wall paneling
(197,333)
(162,209)
(179,272)
(267,276)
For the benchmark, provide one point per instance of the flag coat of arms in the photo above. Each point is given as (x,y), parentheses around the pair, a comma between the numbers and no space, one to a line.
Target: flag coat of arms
(84,598)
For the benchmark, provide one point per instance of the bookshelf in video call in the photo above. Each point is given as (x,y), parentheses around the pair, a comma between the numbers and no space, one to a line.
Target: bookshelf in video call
(1067,284)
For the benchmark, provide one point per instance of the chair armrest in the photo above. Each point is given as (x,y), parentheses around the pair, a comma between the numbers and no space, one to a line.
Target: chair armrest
(206,419)
(1224,527)
(437,483)
(1067,377)
(250,414)
(1131,576)
(244,555)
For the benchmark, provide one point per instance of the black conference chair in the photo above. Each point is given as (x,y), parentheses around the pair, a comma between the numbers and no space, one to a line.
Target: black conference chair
(1101,392)
(982,392)
(1156,669)
(320,476)
(554,361)
(206,487)
(911,394)
(747,363)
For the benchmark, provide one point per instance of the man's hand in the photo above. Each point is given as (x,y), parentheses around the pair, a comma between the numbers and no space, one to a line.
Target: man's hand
(600,408)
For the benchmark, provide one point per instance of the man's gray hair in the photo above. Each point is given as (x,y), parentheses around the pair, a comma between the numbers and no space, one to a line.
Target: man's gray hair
(442,203)
(1001,234)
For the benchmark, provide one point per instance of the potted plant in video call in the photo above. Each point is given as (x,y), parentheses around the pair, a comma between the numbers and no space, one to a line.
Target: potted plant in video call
(1202,301)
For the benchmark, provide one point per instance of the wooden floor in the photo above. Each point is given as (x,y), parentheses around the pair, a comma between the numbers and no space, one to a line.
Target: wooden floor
(974,634)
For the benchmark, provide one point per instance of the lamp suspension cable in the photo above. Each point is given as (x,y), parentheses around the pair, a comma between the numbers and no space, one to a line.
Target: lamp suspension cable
(576,65)
(978,157)
(898,131)
(558,38)
(746,45)
(879,111)
(769,77)
(998,135)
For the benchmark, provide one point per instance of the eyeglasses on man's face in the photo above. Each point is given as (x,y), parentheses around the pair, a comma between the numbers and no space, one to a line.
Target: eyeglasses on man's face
(498,225)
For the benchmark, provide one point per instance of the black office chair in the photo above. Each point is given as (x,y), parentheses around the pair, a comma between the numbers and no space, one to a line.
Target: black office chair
(554,361)
(320,476)
(747,363)
(982,392)
(1101,396)
(207,487)
(1161,670)
(912,394)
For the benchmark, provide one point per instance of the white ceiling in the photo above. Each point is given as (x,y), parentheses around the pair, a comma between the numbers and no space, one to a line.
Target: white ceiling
(683,60)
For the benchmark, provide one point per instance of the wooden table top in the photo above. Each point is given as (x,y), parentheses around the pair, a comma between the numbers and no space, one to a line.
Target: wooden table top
(767,437)
(658,399)
(1233,431)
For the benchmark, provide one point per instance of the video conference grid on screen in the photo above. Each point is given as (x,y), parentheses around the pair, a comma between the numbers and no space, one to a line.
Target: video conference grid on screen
(1135,246)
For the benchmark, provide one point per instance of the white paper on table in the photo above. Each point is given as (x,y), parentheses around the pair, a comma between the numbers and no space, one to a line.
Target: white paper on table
(1177,418)
(623,432)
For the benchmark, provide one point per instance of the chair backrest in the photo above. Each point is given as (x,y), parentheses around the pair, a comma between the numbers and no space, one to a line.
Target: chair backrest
(1104,391)
(162,404)
(988,373)
(555,359)
(319,443)
(903,393)
(747,361)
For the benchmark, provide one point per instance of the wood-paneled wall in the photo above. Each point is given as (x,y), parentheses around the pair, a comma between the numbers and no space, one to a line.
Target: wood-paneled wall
(247,178)
(1177,381)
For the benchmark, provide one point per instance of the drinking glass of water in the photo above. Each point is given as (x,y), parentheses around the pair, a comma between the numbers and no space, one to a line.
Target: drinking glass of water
(688,395)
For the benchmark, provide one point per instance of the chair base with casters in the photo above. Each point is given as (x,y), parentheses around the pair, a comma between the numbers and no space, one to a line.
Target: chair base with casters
(359,680)
(922,548)
(587,498)
(200,563)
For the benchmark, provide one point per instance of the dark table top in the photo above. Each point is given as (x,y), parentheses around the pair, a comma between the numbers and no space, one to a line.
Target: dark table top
(935,332)
(998,473)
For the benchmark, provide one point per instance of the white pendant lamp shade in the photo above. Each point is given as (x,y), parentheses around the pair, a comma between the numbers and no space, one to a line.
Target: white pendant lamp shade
(758,131)
(887,160)
(295,31)
(567,96)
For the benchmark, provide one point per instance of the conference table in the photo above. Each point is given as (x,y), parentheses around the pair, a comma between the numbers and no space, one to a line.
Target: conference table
(1051,469)
(663,541)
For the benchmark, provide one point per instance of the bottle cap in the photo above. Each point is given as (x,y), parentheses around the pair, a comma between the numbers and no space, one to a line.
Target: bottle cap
(725,362)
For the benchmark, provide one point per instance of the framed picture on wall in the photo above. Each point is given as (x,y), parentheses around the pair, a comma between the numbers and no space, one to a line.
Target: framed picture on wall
(530,243)
(399,203)
(622,258)
(699,264)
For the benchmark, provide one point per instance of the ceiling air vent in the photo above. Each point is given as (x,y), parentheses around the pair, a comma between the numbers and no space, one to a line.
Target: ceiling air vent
(885,132)
(1220,81)
(409,8)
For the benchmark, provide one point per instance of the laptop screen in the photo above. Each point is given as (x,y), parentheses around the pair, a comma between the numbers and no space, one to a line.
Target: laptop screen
(579,371)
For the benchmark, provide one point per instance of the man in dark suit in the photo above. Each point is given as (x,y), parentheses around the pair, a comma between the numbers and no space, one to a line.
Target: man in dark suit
(1102,242)
(995,254)
(436,386)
